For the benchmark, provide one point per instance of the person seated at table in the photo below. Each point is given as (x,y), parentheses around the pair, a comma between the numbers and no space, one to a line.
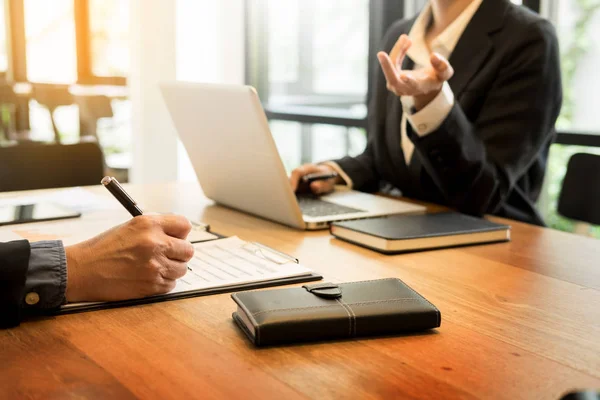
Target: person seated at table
(462,112)
(142,257)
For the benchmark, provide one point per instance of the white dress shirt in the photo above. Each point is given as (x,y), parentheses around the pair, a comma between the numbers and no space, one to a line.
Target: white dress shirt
(430,117)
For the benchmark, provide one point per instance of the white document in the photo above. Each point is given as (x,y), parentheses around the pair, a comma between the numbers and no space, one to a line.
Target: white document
(232,261)
(226,262)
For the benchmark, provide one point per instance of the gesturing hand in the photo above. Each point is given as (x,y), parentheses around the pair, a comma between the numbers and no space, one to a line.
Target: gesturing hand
(140,258)
(424,84)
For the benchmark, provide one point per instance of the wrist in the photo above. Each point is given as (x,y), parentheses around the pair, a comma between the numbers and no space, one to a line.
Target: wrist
(422,101)
(73,292)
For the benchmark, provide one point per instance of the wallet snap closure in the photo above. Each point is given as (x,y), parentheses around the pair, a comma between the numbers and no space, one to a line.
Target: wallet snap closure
(326,290)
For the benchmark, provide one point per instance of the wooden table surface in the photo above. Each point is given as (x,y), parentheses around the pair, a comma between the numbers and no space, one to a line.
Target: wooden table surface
(520,320)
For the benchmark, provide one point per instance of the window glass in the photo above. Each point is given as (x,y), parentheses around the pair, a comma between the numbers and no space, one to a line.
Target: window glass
(3,50)
(578,25)
(317,54)
(109,36)
(50,41)
(303,143)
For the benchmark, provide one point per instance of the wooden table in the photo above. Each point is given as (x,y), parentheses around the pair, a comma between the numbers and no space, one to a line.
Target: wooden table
(520,320)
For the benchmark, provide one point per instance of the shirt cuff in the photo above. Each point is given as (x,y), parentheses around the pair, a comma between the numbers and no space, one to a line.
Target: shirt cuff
(46,281)
(341,172)
(430,117)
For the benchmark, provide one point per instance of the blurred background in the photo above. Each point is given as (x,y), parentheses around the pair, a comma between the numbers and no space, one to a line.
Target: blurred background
(87,70)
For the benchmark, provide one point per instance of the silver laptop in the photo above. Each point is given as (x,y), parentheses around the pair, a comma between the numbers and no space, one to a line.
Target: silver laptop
(226,134)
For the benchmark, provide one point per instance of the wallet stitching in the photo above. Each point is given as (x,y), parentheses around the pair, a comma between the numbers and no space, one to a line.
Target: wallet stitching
(353,315)
(419,297)
(330,306)
(349,316)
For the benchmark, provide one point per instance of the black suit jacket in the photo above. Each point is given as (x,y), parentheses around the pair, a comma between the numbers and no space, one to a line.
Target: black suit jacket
(490,154)
(14,262)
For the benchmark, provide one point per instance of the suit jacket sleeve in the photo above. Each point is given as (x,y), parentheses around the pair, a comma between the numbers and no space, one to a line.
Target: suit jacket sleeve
(476,164)
(361,169)
(14,262)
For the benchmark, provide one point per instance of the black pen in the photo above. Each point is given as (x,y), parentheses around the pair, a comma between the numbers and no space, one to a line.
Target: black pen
(115,188)
(310,178)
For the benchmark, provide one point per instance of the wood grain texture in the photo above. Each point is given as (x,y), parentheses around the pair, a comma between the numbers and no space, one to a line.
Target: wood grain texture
(520,320)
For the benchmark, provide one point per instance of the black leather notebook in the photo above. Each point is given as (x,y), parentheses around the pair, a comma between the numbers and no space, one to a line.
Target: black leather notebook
(325,311)
(404,233)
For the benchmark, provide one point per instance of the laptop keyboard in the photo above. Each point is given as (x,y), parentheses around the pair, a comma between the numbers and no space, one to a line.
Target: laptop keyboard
(313,207)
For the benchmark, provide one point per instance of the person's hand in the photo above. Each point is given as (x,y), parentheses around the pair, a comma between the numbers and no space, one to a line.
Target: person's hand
(142,257)
(317,187)
(423,84)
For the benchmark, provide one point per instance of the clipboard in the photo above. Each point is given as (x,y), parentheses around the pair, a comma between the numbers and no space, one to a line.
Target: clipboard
(259,248)
(176,296)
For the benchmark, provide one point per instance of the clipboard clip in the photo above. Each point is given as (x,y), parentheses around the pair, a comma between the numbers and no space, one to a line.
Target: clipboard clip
(199,226)
(267,253)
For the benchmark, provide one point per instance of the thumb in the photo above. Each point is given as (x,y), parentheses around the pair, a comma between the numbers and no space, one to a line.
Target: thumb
(442,67)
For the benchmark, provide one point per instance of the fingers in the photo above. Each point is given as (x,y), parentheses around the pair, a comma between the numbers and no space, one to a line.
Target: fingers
(409,82)
(392,65)
(172,270)
(179,250)
(401,84)
(164,286)
(174,225)
(322,187)
(390,72)
(412,83)
(305,169)
(442,67)
(399,50)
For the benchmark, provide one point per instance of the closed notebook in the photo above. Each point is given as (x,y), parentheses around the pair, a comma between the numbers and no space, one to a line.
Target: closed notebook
(403,233)
(326,311)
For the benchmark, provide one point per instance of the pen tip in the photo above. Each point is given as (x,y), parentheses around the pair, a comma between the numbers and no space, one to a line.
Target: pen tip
(106,180)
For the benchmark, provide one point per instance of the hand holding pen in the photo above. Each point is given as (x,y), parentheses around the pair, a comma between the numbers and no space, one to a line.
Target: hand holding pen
(115,188)
(142,257)
(318,179)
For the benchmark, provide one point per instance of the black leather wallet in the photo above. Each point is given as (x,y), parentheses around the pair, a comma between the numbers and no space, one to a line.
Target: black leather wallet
(325,311)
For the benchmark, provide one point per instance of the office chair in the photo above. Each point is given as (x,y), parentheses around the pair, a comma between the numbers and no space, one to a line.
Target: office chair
(8,104)
(52,96)
(91,109)
(28,166)
(580,193)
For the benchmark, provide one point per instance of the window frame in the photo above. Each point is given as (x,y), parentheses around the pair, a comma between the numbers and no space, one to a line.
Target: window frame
(382,13)
(83,40)
(566,137)
(17,45)
(17,53)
